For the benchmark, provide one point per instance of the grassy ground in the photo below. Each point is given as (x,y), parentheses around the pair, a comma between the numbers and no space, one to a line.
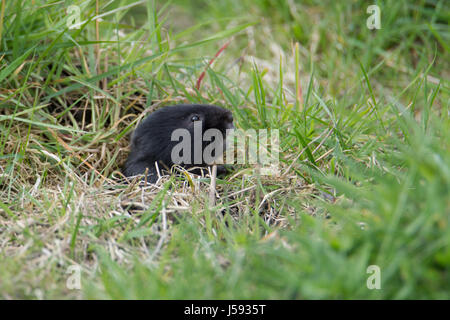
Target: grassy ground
(364,164)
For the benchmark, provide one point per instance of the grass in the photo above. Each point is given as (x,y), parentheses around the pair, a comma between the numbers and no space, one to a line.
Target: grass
(364,175)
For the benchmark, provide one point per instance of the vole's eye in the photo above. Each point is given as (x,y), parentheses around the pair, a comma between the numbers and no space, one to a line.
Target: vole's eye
(195,118)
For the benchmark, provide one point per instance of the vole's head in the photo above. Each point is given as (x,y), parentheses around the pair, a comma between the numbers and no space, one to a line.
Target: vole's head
(153,138)
(186,116)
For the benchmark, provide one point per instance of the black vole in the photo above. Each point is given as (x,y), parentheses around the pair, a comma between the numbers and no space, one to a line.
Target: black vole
(152,140)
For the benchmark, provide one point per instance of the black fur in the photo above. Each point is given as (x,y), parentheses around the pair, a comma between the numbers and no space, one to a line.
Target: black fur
(151,141)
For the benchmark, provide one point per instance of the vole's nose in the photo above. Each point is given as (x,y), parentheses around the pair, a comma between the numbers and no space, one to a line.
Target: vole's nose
(229,120)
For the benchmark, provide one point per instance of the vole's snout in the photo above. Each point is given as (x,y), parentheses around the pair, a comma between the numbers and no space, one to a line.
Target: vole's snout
(229,120)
